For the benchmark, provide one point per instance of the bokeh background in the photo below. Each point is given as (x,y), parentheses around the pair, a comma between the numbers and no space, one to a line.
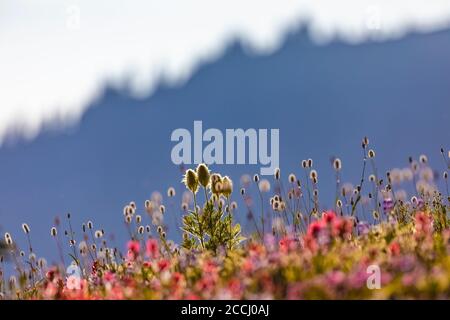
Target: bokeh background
(90,93)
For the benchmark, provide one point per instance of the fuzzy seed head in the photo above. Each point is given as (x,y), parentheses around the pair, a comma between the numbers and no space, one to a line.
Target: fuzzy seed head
(191,181)
(203,175)
(292,178)
(99,234)
(264,185)
(375,215)
(25,228)
(53,232)
(337,164)
(171,192)
(8,239)
(227,186)
(313,175)
(423,159)
(277,174)
(304,164)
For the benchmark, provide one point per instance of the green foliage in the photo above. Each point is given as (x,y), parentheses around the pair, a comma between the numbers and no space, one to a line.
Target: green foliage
(211,228)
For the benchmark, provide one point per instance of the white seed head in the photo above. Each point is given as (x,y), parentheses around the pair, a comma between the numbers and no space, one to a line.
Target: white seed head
(25,228)
(171,192)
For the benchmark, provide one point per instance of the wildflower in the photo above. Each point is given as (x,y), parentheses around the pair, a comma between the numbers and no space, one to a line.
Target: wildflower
(328,216)
(128,210)
(304,164)
(8,239)
(256,178)
(25,228)
(375,215)
(159,229)
(148,206)
(372,178)
(394,248)
(423,223)
(277,174)
(152,248)
(245,180)
(313,175)
(423,159)
(216,184)
(141,230)
(227,186)
(162,209)
(134,247)
(203,175)
(191,181)
(138,218)
(388,204)
(276,205)
(264,185)
(337,164)
(42,263)
(292,178)
(371,154)
(365,142)
(171,192)
(99,234)
(53,232)
(310,163)
(90,225)
(362,228)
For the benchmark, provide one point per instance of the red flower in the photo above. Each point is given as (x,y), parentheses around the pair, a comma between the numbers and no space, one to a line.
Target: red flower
(314,229)
(328,217)
(394,248)
(163,264)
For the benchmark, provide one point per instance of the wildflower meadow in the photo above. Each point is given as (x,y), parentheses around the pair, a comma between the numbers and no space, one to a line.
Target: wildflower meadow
(386,236)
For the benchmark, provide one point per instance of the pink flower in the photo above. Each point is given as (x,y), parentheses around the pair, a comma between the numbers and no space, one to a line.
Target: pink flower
(73,283)
(152,248)
(109,276)
(424,223)
(328,216)
(134,248)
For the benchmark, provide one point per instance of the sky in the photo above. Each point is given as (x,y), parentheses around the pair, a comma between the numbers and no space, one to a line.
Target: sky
(57,55)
